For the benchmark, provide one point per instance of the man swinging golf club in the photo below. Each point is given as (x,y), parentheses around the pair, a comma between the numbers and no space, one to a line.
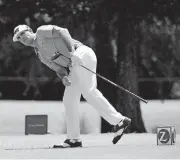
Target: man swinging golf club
(49,42)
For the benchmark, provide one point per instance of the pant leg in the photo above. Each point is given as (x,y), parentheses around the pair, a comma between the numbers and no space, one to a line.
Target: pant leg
(88,83)
(71,99)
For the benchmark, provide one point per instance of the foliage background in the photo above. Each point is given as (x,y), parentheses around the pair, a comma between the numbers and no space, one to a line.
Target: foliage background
(151,28)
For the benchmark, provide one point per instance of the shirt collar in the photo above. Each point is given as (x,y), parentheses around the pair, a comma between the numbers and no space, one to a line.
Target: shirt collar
(35,41)
(35,45)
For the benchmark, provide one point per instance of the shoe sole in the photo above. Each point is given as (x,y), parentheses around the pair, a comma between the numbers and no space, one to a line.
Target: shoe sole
(117,138)
(59,146)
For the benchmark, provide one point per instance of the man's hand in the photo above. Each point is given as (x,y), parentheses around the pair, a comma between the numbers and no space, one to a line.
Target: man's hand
(76,61)
(66,81)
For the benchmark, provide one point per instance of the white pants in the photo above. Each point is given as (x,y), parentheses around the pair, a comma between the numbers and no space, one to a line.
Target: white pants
(84,82)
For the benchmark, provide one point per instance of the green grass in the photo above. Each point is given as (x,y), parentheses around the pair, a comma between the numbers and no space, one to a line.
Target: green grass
(97,146)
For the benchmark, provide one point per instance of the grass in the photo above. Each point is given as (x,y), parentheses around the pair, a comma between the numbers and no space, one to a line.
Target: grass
(96,146)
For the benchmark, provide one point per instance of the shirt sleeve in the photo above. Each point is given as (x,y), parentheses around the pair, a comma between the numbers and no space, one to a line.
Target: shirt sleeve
(52,31)
(64,34)
(45,30)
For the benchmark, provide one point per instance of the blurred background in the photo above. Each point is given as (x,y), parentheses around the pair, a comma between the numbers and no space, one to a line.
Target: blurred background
(137,44)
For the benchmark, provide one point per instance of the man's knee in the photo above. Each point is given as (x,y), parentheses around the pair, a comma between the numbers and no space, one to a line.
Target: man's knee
(94,92)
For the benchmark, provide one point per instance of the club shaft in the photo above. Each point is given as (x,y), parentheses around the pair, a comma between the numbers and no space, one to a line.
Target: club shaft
(116,85)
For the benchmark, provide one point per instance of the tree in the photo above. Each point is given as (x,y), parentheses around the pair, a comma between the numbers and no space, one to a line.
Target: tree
(127,73)
(20,61)
(130,15)
(111,20)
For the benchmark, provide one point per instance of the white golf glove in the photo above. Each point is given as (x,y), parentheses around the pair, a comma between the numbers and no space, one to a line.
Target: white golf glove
(66,81)
(76,61)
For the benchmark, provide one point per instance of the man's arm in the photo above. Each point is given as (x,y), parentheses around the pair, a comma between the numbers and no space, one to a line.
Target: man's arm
(52,31)
(65,35)
(60,71)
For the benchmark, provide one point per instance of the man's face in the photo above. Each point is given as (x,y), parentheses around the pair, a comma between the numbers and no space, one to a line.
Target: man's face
(26,38)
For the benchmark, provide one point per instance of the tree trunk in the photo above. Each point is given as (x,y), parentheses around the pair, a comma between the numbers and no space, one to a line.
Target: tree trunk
(127,75)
